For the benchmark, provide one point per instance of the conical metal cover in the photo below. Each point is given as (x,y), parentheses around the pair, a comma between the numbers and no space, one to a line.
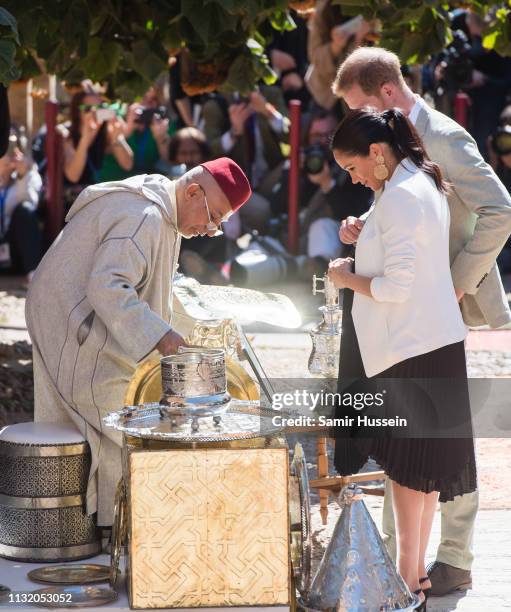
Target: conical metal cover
(356,573)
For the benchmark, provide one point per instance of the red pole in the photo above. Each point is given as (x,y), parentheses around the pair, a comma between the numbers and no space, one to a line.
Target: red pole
(294,177)
(461,106)
(54,201)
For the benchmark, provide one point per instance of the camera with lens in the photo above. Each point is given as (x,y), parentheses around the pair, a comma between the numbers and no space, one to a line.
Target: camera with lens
(315,157)
(457,63)
(501,140)
(144,115)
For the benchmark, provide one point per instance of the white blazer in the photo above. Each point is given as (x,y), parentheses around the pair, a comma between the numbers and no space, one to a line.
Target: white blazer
(404,248)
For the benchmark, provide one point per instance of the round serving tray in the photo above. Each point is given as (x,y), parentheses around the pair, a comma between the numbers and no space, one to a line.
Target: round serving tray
(243,420)
(73,596)
(78,573)
(300,521)
(119,531)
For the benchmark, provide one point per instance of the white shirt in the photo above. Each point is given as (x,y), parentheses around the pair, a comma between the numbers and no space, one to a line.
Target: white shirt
(404,248)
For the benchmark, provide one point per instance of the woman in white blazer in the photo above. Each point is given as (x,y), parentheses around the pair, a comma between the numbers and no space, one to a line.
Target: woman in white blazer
(408,324)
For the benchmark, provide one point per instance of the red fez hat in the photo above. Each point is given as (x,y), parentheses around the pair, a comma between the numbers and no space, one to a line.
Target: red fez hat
(231,179)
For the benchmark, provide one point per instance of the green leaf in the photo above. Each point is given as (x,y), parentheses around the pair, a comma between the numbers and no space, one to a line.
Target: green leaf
(171,37)
(490,40)
(129,85)
(102,58)
(411,15)
(258,37)
(75,27)
(146,62)
(7,54)
(362,3)
(234,7)
(255,47)
(6,19)
(269,75)
(282,21)
(208,21)
(27,64)
(242,75)
(98,20)
(47,38)
(29,24)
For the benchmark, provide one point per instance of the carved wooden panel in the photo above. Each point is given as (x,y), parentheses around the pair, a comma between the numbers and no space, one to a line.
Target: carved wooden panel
(209,527)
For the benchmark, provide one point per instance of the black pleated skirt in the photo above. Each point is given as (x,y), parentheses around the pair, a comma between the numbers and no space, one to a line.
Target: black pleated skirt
(441,401)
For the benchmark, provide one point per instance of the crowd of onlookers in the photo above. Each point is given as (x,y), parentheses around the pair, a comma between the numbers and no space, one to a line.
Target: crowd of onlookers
(167,132)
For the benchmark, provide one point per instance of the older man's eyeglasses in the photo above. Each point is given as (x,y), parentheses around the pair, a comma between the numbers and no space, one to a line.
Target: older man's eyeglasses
(212,226)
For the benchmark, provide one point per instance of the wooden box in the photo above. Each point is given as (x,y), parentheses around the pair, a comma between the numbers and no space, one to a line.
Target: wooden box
(208,527)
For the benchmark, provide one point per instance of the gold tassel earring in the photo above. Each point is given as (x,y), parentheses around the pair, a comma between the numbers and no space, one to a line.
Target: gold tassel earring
(381,172)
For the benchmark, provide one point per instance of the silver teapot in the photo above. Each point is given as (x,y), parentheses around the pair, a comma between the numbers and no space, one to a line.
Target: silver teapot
(326,336)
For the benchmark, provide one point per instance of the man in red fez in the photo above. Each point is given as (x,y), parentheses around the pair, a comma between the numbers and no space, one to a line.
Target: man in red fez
(101,299)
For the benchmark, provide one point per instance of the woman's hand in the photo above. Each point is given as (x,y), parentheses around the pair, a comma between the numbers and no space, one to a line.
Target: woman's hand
(339,271)
(362,32)
(339,38)
(350,230)
(20,164)
(118,145)
(238,114)
(160,132)
(115,129)
(131,118)
(90,128)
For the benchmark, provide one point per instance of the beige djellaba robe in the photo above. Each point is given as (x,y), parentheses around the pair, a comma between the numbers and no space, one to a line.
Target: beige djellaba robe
(98,305)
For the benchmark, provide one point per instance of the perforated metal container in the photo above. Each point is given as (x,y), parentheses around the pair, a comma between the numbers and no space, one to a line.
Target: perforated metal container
(44,469)
(194,384)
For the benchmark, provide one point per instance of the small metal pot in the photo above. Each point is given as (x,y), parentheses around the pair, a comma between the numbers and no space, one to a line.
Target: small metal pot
(194,383)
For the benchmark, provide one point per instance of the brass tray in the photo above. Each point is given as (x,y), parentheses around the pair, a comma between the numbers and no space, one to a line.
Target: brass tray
(119,531)
(79,596)
(78,573)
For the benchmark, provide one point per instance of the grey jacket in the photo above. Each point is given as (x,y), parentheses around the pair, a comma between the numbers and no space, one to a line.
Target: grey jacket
(480,209)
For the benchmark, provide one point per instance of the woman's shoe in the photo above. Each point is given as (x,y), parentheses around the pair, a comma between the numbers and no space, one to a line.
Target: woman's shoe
(427,592)
(422,607)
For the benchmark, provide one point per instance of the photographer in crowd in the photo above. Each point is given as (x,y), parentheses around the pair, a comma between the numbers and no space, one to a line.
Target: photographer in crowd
(94,132)
(146,131)
(250,130)
(20,189)
(483,74)
(326,193)
(332,36)
(334,196)
(288,57)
